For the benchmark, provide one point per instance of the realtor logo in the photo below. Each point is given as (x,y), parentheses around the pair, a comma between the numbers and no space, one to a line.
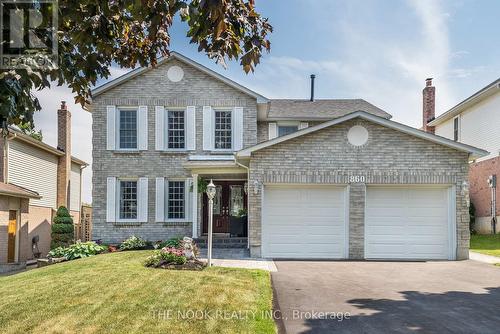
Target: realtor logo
(28,34)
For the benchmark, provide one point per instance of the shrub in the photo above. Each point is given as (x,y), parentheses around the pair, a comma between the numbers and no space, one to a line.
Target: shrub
(57,252)
(172,242)
(78,250)
(472,218)
(133,243)
(62,229)
(83,249)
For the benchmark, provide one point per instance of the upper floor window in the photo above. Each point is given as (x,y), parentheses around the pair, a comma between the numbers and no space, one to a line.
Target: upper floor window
(128,200)
(284,130)
(176,200)
(456,127)
(176,136)
(127,134)
(223,130)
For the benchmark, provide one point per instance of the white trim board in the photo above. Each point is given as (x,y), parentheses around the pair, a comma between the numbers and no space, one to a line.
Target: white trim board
(474,152)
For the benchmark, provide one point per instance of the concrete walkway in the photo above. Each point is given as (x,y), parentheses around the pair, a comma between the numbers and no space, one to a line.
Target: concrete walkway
(483,258)
(237,258)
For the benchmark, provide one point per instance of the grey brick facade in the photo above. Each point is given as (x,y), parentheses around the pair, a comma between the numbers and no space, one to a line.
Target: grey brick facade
(389,157)
(153,88)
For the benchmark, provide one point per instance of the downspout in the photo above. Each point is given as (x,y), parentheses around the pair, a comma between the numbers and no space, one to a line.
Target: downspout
(248,201)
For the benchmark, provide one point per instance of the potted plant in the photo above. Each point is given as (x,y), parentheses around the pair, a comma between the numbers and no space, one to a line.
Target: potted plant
(238,223)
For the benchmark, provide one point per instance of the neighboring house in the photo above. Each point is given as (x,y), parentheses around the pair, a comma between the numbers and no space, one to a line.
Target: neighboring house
(320,178)
(35,179)
(476,121)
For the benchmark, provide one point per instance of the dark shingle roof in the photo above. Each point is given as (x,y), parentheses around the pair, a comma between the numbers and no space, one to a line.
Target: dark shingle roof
(320,109)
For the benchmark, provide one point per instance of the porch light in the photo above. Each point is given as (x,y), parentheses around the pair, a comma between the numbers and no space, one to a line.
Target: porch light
(211,191)
(256,187)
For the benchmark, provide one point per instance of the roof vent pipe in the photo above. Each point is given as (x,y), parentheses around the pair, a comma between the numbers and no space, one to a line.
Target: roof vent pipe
(312,87)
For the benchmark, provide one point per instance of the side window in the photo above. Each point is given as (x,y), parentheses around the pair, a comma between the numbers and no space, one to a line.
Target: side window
(127,129)
(285,130)
(176,133)
(223,130)
(456,127)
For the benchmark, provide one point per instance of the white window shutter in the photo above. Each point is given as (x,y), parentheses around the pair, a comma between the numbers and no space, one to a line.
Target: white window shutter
(110,127)
(237,128)
(160,128)
(303,125)
(160,199)
(191,128)
(142,199)
(208,132)
(111,199)
(142,134)
(188,199)
(273,130)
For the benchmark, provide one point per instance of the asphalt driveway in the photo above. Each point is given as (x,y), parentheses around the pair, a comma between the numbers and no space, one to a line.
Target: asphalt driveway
(384,297)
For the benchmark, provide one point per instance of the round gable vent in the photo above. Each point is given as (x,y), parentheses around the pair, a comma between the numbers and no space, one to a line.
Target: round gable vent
(175,74)
(357,135)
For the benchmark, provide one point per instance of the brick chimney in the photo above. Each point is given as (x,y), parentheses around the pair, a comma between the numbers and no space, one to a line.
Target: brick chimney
(64,165)
(429,105)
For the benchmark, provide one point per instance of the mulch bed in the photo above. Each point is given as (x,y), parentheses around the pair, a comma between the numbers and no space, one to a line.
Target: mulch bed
(189,265)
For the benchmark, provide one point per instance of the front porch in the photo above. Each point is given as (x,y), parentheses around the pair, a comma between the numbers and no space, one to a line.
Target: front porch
(230,223)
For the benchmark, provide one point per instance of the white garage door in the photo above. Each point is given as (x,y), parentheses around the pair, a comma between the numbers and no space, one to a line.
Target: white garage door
(407,223)
(304,222)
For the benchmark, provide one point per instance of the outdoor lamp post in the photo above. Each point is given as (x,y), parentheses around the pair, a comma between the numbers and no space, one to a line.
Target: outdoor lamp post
(211,190)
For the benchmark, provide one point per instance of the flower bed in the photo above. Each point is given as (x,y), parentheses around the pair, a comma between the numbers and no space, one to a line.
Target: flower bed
(180,257)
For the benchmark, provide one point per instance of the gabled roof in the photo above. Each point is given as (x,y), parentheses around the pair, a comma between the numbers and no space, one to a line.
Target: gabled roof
(319,109)
(478,96)
(473,151)
(175,55)
(15,133)
(9,189)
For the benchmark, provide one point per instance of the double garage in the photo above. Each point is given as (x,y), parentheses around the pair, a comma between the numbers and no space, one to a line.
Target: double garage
(400,222)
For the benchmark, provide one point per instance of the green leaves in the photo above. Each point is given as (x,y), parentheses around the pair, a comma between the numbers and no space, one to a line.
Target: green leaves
(94,35)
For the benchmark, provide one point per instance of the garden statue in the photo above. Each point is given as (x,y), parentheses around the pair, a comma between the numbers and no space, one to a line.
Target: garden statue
(187,244)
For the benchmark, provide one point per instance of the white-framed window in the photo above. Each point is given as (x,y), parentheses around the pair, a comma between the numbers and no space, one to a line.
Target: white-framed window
(223,129)
(128,200)
(127,129)
(176,130)
(456,128)
(284,130)
(173,199)
(176,200)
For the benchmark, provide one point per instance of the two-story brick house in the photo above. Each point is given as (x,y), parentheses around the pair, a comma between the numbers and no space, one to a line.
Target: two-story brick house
(475,121)
(319,178)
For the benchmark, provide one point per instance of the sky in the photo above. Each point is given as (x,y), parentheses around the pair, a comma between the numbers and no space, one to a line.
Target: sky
(378,50)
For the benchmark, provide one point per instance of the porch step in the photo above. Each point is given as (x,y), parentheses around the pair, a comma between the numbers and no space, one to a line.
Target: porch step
(222,242)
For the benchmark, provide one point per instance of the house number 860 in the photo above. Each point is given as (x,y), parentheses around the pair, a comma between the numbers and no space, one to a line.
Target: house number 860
(356,178)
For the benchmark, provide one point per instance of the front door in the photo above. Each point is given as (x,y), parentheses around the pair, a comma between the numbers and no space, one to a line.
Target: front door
(11,242)
(229,199)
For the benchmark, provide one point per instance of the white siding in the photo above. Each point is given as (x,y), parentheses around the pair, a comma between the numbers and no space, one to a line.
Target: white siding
(35,169)
(479,126)
(445,129)
(75,188)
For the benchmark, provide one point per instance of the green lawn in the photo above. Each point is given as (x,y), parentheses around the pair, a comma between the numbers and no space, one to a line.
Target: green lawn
(115,293)
(485,244)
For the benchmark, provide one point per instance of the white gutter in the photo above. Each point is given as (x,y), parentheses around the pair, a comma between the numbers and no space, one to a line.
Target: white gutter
(248,201)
